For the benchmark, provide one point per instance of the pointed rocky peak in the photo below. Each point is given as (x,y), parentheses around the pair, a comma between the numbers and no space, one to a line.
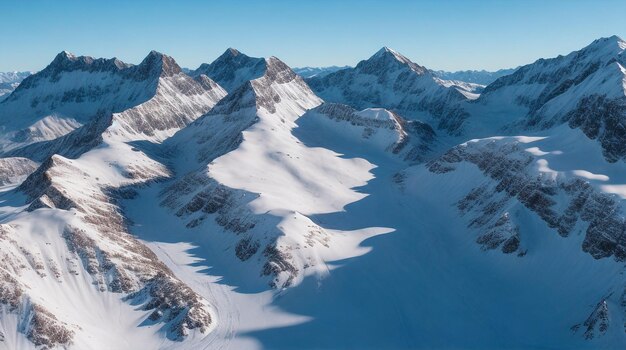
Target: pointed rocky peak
(387,59)
(68,61)
(230,53)
(64,56)
(233,55)
(158,64)
(232,69)
(261,90)
(388,52)
(279,72)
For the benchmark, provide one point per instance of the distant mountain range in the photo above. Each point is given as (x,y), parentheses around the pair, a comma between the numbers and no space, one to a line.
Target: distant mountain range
(309,72)
(244,204)
(481,77)
(10,80)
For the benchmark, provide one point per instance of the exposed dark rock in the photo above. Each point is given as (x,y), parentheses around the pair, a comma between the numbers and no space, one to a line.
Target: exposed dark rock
(45,330)
(509,166)
(597,323)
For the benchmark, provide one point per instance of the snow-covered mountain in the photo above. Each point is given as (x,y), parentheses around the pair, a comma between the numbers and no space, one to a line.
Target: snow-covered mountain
(585,89)
(479,77)
(10,80)
(241,206)
(70,264)
(390,80)
(232,69)
(13,77)
(74,95)
(310,72)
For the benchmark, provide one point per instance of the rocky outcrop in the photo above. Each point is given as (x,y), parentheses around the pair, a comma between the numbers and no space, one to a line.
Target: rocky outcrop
(410,139)
(45,330)
(15,169)
(602,119)
(509,166)
(597,323)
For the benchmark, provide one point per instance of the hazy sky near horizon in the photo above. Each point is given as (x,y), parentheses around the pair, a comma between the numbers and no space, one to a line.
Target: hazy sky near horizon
(449,35)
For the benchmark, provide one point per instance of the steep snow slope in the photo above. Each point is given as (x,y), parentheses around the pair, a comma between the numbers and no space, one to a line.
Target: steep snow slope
(376,127)
(392,81)
(445,253)
(107,282)
(242,157)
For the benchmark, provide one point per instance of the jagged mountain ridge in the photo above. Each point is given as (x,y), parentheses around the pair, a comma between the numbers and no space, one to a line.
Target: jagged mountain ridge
(584,89)
(480,77)
(310,72)
(273,185)
(72,91)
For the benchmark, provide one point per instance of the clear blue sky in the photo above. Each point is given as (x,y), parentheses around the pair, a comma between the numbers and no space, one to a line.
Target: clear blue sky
(451,35)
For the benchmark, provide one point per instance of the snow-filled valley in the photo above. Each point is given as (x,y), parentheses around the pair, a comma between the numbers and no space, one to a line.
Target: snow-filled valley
(242,206)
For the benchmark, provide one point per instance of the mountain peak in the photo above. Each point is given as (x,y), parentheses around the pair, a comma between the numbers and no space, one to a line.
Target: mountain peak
(65,55)
(388,52)
(278,71)
(608,45)
(385,59)
(161,64)
(232,68)
(233,52)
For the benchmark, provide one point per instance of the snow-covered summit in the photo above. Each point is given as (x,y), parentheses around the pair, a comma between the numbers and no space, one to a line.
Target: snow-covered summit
(585,89)
(232,69)
(386,57)
(390,80)
(72,90)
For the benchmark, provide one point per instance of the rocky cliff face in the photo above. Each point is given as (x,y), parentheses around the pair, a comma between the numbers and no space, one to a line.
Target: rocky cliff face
(411,140)
(562,203)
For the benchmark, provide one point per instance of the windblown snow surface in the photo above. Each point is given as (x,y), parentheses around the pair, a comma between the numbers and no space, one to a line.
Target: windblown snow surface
(259,215)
